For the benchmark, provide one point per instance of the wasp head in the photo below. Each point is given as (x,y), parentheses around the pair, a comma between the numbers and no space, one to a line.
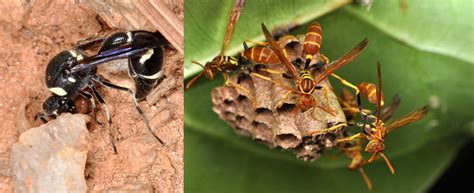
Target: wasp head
(375,145)
(208,72)
(55,105)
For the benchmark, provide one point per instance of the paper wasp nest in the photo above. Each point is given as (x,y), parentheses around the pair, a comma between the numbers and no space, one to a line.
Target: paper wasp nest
(284,127)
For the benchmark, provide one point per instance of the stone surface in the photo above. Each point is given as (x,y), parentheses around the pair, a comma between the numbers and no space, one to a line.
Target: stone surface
(51,158)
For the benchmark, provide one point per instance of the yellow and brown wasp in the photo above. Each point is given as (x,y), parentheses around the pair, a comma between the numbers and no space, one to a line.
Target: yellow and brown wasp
(222,63)
(374,129)
(353,149)
(261,53)
(305,82)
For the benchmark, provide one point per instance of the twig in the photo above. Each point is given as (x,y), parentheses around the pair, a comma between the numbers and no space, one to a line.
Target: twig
(164,20)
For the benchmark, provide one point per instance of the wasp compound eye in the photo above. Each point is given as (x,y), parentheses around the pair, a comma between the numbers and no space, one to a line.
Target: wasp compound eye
(56,105)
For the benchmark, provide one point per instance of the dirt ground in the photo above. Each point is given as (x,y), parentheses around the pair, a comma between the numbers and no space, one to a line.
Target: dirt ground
(31,33)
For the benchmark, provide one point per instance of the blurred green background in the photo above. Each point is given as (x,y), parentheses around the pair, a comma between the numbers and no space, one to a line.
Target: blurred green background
(426,49)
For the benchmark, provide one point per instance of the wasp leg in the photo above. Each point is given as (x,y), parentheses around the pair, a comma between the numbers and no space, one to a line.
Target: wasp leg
(347,83)
(283,74)
(285,97)
(350,138)
(327,110)
(271,80)
(132,95)
(322,57)
(107,115)
(256,42)
(272,71)
(88,95)
(228,83)
(335,127)
(283,100)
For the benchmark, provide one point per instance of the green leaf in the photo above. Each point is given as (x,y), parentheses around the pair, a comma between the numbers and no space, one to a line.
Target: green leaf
(206,22)
(426,54)
(215,166)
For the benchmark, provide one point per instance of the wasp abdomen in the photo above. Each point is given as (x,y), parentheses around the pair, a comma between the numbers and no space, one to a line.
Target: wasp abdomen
(146,70)
(369,90)
(312,40)
(261,55)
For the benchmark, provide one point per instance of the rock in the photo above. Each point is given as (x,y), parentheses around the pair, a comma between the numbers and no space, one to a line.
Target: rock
(51,158)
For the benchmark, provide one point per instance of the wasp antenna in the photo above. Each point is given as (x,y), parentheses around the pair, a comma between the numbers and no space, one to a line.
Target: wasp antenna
(379,93)
(246,47)
(41,117)
(194,62)
(372,158)
(194,79)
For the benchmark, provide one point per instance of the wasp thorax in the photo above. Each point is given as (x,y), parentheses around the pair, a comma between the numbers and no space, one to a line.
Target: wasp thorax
(307,85)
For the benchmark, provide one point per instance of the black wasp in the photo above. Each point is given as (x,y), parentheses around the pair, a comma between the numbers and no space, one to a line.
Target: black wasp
(72,73)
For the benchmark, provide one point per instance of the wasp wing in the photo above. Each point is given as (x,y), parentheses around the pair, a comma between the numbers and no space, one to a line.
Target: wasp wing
(233,17)
(388,112)
(408,118)
(346,58)
(110,55)
(279,52)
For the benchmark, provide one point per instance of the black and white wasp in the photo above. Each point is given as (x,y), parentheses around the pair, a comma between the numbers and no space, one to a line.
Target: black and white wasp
(72,73)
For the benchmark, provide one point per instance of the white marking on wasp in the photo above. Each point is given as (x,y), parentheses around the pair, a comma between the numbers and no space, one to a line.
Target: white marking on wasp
(73,53)
(154,76)
(76,55)
(146,56)
(71,79)
(129,34)
(58,91)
